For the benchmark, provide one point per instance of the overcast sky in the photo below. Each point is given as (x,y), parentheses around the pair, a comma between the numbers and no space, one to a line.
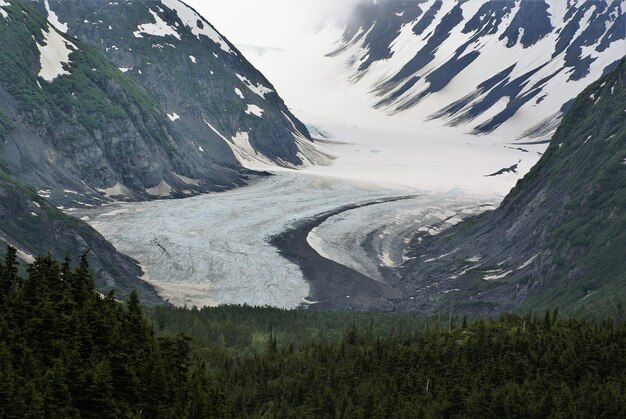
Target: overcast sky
(267,22)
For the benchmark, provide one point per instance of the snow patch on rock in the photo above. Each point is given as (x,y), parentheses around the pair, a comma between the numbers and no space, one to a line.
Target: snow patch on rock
(159,28)
(3,13)
(254,110)
(259,89)
(54,55)
(116,190)
(54,19)
(196,23)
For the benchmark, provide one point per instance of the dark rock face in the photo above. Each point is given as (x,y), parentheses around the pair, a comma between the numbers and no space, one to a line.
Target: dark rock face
(33,225)
(558,239)
(192,71)
(462,45)
(151,102)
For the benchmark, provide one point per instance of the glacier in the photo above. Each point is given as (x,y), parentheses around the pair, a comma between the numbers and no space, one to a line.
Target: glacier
(214,249)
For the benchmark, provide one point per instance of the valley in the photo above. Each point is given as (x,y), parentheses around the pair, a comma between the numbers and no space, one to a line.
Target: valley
(215,249)
(302,171)
(353,209)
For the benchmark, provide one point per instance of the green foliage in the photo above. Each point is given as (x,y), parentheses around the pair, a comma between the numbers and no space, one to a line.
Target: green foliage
(5,125)
(585,163)
(87,102)
(245,330)
(66,351)
(69,352)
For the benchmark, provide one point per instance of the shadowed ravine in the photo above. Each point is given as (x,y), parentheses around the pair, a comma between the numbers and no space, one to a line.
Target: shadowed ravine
(333,285)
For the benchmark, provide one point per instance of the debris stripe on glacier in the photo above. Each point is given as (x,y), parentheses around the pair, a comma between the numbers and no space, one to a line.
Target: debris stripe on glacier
(213,249)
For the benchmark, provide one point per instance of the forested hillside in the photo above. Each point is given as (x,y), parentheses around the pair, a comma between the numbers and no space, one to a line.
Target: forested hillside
(66,351)
(557,239)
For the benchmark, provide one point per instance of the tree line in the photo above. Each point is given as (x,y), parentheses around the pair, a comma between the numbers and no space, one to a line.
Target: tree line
(68,351)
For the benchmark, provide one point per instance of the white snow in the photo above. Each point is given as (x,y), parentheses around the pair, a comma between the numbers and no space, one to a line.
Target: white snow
(244,151)
(239,93)
(159,28)
(528,262)
(54,54)
(245,154)
(190,18)
(215,130)
(125,69)
(3,13)
(173,116)
(254,110)
(223,255)
(193,59)
(54,19)
(497,276)
(259,89)
(556,89)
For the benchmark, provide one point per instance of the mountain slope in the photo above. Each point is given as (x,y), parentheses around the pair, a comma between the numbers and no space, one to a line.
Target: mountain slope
(210,91)
(558,239)
(36,227)
(81,130)
(486,65)
(84,132)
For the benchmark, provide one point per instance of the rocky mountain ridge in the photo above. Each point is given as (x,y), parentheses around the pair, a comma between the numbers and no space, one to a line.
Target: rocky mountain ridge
(510,66)
(557,240)
(87,130)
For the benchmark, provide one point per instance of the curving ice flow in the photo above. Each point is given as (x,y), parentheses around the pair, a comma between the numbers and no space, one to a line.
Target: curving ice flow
(214,249)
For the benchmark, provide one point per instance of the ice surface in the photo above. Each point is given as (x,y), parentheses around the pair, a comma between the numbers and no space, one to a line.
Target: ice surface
(213,249)
(370,238)
(376,148)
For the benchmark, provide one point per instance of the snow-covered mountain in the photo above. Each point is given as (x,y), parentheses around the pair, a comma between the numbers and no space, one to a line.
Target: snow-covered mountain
(511,66)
